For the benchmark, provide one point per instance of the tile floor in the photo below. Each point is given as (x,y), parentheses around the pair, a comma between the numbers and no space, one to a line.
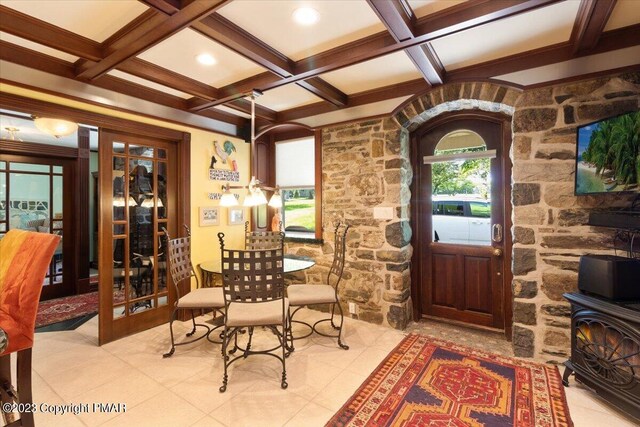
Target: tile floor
(69,367)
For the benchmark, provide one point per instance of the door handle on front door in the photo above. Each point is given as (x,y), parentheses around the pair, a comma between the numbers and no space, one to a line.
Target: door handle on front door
(496,233)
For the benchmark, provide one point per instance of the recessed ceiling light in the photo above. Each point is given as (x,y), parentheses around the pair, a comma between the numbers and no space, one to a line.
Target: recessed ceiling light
(306,16)
(206,59)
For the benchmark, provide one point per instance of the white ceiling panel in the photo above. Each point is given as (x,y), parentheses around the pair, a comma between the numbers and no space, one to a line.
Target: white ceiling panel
(354,113)
(379,72)
(178,53)
(625,13)
(37,47)
(271,21)
(553,24)
(427,7)
(576,67)
(285,97)
(94,19)
(149,84)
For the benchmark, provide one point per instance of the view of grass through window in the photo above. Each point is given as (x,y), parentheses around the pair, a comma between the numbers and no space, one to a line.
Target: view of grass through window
(299,210)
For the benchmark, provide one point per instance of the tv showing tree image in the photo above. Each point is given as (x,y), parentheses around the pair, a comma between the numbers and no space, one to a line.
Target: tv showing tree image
(608,155)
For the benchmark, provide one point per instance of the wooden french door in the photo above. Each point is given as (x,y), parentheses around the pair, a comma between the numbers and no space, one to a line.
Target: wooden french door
(463,272)
(36,194)
(138,198)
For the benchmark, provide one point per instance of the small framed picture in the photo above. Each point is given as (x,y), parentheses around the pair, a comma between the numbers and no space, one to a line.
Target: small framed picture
(209,216)
(236,216)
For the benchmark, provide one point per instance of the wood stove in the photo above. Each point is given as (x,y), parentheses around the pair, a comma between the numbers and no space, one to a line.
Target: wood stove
(605,349)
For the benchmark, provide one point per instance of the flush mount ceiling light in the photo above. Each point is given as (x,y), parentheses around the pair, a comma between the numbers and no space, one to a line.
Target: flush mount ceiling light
(206,59)
(55,127)
(306,16)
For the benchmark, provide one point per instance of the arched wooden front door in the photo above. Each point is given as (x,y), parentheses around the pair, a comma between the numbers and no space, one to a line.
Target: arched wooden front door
(461,210)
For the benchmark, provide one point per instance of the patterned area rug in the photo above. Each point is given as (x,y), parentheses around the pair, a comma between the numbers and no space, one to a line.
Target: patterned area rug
(60,309)
(428,382)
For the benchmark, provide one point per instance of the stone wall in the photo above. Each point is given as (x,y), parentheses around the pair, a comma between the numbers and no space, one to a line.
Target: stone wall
(366,165)
(549,221)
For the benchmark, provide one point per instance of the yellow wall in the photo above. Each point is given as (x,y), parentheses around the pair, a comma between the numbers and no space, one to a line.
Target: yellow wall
(204,239)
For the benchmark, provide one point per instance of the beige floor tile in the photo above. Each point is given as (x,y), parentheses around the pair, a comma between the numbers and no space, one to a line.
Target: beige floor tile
(43,394)
(165,409)
(208,422)
(367,361)
(311,415)
(336,393)
(131,390)
(307,377)
(583,417)
(331,355)
(264,404)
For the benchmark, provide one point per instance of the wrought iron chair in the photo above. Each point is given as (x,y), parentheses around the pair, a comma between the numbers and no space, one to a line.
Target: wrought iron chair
(256,240)
(253,283)
(181,269)
(304,295)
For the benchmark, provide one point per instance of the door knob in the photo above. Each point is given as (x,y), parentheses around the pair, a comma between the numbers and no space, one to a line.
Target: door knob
(497,252)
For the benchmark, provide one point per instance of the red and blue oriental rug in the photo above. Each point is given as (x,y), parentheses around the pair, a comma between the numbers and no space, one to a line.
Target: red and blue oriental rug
(431,383)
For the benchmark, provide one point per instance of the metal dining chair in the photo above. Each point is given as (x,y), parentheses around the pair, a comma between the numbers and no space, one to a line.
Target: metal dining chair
(305,295)
(254,240)
(198,299)
(253,283)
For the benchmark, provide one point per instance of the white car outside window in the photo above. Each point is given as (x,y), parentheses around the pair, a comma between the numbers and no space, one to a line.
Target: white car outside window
(458,220)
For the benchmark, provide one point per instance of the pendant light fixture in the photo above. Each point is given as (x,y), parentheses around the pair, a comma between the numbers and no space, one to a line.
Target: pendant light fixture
(255,189)
(55,127)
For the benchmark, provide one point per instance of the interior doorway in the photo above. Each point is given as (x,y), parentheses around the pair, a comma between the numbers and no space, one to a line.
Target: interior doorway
(461,200)
(36,194)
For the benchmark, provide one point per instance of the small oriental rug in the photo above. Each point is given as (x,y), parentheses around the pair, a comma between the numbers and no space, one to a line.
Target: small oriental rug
(428,382)
(61,309)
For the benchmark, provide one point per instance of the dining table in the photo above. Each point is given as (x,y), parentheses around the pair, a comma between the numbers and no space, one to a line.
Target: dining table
(292,263)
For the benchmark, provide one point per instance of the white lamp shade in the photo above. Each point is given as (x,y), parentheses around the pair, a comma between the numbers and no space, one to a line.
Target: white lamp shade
(259,197)
(228,199)
(249,200)
(55,127)
(276,200)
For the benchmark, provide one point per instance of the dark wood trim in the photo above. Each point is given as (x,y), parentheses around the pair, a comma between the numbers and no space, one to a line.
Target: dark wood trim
(397,17)
(35,149)
(547,55)
(507,272)
(168,7)
(590,76)
(141,37)
(184,201)
(292,134)
(30,28)
(81,209)
(21,103)
(361,98)
(318,183)
(590,21)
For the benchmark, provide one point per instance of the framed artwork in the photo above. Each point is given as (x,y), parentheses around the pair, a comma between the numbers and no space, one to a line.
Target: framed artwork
(209,216)
(236,216)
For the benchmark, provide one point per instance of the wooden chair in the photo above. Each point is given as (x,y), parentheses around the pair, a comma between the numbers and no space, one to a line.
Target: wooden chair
(197,299)
(253,283)
(304,295)
(26,256)
(256,240)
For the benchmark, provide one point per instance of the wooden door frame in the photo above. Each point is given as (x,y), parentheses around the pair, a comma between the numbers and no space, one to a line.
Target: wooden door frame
(418,205)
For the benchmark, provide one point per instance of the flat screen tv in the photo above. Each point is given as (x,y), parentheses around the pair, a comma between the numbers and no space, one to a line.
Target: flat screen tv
(608,155)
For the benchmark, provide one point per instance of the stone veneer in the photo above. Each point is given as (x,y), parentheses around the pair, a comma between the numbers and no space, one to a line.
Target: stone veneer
(367,164)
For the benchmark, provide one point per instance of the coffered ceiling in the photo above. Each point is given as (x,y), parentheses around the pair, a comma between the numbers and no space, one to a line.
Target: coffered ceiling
(359,58)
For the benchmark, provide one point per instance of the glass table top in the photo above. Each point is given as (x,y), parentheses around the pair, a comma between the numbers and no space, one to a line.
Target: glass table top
(292,263)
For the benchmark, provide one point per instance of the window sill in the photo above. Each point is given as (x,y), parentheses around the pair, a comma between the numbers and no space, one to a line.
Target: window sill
(301,237)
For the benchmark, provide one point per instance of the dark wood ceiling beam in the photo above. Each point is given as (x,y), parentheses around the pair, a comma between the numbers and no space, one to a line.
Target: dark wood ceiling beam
(324,90)
(611,40)
(142,38)
(22,56)
(411,87)
(168,7)
(235,38)
(397,16)
(27,27)
(449,21)
(590,21)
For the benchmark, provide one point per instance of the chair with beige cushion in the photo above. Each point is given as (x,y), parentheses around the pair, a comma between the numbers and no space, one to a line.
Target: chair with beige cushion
(253,283)
(305,295)
(197,299)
